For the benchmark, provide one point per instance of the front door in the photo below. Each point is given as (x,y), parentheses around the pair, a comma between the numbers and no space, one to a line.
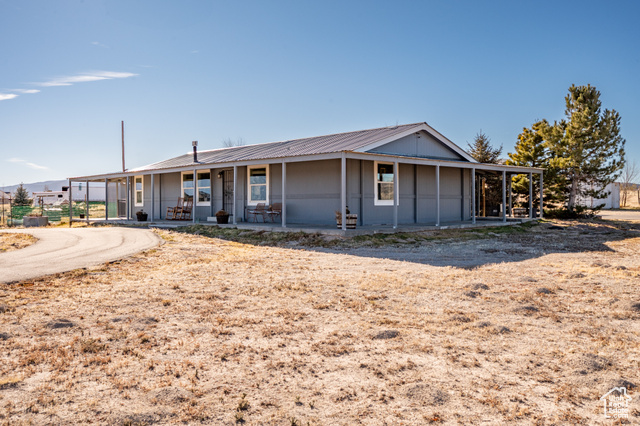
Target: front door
(227,191)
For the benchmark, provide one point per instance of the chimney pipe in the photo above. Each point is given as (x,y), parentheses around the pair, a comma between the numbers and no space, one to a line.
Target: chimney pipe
(195,151)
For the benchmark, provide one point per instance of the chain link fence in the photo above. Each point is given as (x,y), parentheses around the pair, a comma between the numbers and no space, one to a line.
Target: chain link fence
(12,215)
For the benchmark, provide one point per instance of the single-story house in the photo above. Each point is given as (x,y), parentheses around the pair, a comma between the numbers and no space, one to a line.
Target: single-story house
(403,174)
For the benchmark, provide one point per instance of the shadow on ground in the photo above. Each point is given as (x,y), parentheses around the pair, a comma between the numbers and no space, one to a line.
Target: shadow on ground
(467,249)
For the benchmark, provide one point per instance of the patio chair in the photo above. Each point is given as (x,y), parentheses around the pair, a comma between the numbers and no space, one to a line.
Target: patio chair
(174,212)
(274,211)
(259,210)
(185,211)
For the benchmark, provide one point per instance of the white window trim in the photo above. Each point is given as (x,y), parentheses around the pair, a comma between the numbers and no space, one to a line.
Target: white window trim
(195,184)
(251,202)
(135,191)
(196,195)
(377,202)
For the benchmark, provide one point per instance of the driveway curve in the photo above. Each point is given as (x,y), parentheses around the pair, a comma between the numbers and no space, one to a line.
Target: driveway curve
(64,249)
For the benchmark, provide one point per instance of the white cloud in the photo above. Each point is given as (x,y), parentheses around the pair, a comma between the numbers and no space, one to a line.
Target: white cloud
(97,43)
(27,163)
(25,91)
(83,78)
(195,51)
(7,96)
(36,166)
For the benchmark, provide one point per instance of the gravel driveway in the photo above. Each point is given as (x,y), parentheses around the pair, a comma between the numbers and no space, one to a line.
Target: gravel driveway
(63,249)
(632,215)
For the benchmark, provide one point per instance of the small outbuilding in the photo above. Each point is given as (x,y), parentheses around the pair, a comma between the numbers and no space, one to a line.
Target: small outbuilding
(403,174)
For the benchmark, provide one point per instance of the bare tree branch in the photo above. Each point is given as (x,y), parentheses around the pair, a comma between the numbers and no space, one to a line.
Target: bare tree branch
(627,181)
(228,142)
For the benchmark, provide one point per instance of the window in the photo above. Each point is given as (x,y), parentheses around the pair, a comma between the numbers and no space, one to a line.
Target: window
(204,188)
(383,184)
(258,177)
(187,186)
(138,188)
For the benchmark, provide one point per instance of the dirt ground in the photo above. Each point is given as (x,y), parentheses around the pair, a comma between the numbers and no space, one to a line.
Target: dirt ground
(505,327)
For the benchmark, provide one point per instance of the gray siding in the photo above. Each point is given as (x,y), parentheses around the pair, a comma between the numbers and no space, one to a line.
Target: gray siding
(418,145)
(313,193)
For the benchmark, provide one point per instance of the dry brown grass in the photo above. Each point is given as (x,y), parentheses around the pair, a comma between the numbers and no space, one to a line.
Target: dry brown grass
(11,241)
(205,330)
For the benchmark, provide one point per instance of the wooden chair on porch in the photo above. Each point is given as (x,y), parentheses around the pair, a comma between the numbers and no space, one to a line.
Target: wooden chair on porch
(259,210)
(187,208)
(274,211)
(174,212)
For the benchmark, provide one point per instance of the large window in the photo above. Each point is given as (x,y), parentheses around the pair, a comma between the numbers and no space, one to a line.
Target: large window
(204,188)
(383,184)
(187,186)
(258,177)
(138,188)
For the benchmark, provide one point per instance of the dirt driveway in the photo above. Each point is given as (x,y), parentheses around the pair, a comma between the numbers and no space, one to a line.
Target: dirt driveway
(64,249)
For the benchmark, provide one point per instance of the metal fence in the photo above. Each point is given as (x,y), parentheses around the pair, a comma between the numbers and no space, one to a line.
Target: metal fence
(12,215)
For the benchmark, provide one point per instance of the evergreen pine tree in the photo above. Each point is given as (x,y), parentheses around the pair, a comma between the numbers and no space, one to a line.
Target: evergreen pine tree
(482,150)
(587,146)
(491,194)
(21,196)
(532,151)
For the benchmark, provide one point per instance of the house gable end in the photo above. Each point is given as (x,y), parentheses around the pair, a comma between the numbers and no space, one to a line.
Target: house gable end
(419,144)
(430,144)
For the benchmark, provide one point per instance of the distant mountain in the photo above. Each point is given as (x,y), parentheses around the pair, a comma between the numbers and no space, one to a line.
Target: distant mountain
(53,185)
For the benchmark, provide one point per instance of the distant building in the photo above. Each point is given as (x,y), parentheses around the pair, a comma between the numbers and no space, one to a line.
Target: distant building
(612,201)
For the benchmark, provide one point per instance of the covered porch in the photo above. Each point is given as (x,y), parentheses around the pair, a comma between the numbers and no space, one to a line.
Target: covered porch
(421,193)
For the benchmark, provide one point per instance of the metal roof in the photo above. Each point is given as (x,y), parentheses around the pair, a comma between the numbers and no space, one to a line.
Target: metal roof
(350,141)
(356,145)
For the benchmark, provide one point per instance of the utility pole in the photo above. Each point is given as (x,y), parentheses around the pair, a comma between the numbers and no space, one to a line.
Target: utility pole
(123,169)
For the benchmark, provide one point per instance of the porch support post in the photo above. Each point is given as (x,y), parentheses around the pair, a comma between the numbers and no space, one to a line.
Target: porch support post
(106,199)
(283,214)
(235,179)
(86,207)
(160,196)
(128,204)
(343,190)
(70,204)
(153,196)
(510,196)
(361,193)
(415,193)
(473,195)
(530,195)
(211,211)
(504,195)
(396,196)
(541,195)
(437,194)
(195,196)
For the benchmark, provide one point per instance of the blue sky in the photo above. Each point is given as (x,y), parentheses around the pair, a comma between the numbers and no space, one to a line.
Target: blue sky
(266,71)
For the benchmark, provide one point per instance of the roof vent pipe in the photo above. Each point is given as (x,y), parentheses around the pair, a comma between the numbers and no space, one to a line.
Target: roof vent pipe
(195,151)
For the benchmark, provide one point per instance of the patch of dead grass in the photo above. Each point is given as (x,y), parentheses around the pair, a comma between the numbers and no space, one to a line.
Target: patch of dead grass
(10,241)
